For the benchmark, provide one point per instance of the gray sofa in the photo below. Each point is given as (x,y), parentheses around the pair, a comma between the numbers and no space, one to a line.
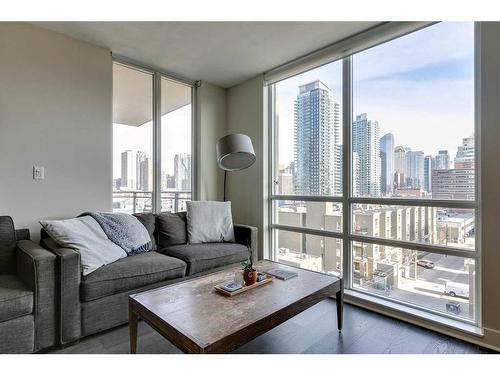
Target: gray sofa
(27,292)
(99,301)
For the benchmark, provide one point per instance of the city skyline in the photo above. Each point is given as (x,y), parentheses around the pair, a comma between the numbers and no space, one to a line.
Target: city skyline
(175,139)
(421,81)
(136,173)
(380,166)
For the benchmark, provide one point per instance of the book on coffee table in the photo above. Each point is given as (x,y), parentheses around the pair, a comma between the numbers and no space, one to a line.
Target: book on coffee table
(281,273)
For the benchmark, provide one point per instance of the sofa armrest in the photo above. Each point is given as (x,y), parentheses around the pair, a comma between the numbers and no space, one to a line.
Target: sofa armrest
(37,268)
(68,289)
(23,234)
(247,235)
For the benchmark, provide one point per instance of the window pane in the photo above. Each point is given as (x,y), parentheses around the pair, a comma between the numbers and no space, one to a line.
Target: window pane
(132,140)
(439,282)
(175,145)
(315,215)
(413,115)
(431,225)
(322,254)
(309,133)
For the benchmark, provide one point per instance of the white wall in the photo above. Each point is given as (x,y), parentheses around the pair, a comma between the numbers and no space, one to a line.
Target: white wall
(55,111)
(247,189)
(211,125)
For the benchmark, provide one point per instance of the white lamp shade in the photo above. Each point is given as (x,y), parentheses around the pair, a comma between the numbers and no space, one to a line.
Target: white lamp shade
(235,152)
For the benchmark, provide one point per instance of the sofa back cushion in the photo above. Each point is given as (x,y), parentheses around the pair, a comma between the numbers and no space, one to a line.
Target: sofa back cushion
(209,221)
(148,220)
(85,235)
(7,246)
(171,228)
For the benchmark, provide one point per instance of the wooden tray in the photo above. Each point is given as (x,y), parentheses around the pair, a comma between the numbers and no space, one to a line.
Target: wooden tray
(267,280)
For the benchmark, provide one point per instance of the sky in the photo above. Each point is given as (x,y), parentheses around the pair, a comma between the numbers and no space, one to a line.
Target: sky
(419,87)
(175,139)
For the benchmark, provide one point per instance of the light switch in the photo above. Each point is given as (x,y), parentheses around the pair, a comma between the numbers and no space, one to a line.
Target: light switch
(38,173)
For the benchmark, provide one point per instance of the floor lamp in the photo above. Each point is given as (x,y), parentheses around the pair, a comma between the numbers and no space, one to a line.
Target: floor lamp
(234,153)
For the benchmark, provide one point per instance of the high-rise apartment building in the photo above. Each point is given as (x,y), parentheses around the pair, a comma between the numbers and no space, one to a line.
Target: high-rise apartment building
(386,163)
(182,171)
(365,142)
(317,141)
(355,174)
(465,158)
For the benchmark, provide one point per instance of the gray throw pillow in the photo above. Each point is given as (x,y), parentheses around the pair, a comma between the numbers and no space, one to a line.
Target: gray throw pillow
(209,222)
(171,228)
(86,236)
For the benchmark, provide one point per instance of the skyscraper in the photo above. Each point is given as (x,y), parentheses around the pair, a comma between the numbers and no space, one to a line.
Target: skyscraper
(285,180)
(399,166)
(317,141)
(136,170)
(427,173)
(386,163)
(442,160)
(365,142)
(142,167)
(465,158)
(182,171)
(414,169)
(129,170)
(355,174)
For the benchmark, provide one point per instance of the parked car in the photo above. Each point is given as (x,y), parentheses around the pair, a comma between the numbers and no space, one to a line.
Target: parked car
(425,263)
(456,289)
(453,307)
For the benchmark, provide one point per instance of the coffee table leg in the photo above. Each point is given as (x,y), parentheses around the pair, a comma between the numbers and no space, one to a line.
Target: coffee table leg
(339,298)
(132,326)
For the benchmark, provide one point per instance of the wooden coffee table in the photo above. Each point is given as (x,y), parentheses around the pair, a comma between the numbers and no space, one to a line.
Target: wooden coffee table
(197,319)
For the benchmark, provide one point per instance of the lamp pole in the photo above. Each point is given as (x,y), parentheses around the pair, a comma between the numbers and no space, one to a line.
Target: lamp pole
(225,176)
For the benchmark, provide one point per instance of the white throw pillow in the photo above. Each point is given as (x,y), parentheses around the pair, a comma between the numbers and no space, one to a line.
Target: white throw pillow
(209,222)
(86,236)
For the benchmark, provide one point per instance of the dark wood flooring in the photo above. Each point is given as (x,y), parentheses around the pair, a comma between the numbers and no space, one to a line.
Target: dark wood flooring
(313,331)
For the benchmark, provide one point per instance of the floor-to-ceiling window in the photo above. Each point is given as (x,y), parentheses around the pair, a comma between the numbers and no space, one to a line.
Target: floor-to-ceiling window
(395,209)
(152,141)
(176,145)
(133,183)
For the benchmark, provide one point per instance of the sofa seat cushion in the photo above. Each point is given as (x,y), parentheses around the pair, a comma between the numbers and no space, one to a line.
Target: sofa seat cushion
(130,273)
(16,298)
(205,256)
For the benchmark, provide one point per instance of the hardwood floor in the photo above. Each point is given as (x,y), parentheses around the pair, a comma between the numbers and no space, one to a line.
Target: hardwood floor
(313,331)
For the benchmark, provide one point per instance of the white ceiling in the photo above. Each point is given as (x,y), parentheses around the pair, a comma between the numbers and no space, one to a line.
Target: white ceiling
(223,53)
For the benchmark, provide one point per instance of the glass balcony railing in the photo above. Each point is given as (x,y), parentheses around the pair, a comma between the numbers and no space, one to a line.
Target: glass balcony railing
(142,201)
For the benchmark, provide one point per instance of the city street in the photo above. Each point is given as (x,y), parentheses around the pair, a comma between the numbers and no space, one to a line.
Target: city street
(428,289)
